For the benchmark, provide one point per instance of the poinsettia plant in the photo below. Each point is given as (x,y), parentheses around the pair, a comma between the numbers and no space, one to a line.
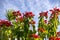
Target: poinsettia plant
(53,22)
(21,23)
(18,25)
(42,25)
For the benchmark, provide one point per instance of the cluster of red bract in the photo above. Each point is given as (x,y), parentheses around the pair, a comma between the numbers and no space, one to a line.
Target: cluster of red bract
(29,14)
(55,11)
(16,13)
(5,22)
(42,14)
(20,17)
(35,36)
(54,38)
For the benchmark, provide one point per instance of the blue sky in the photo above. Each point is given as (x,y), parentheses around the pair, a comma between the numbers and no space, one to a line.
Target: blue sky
(35,6)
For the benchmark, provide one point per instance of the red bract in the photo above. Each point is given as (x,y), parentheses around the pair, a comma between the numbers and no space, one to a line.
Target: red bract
(7,23)
(35,36)
(32,22)
(52,38)
(29,14)
(26,14)
(52,11)
(1,23)
(57,38)
(46,14)
(58,33)
(42,14)
(55,10)
(45,21)
(19,18)
(16,13)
